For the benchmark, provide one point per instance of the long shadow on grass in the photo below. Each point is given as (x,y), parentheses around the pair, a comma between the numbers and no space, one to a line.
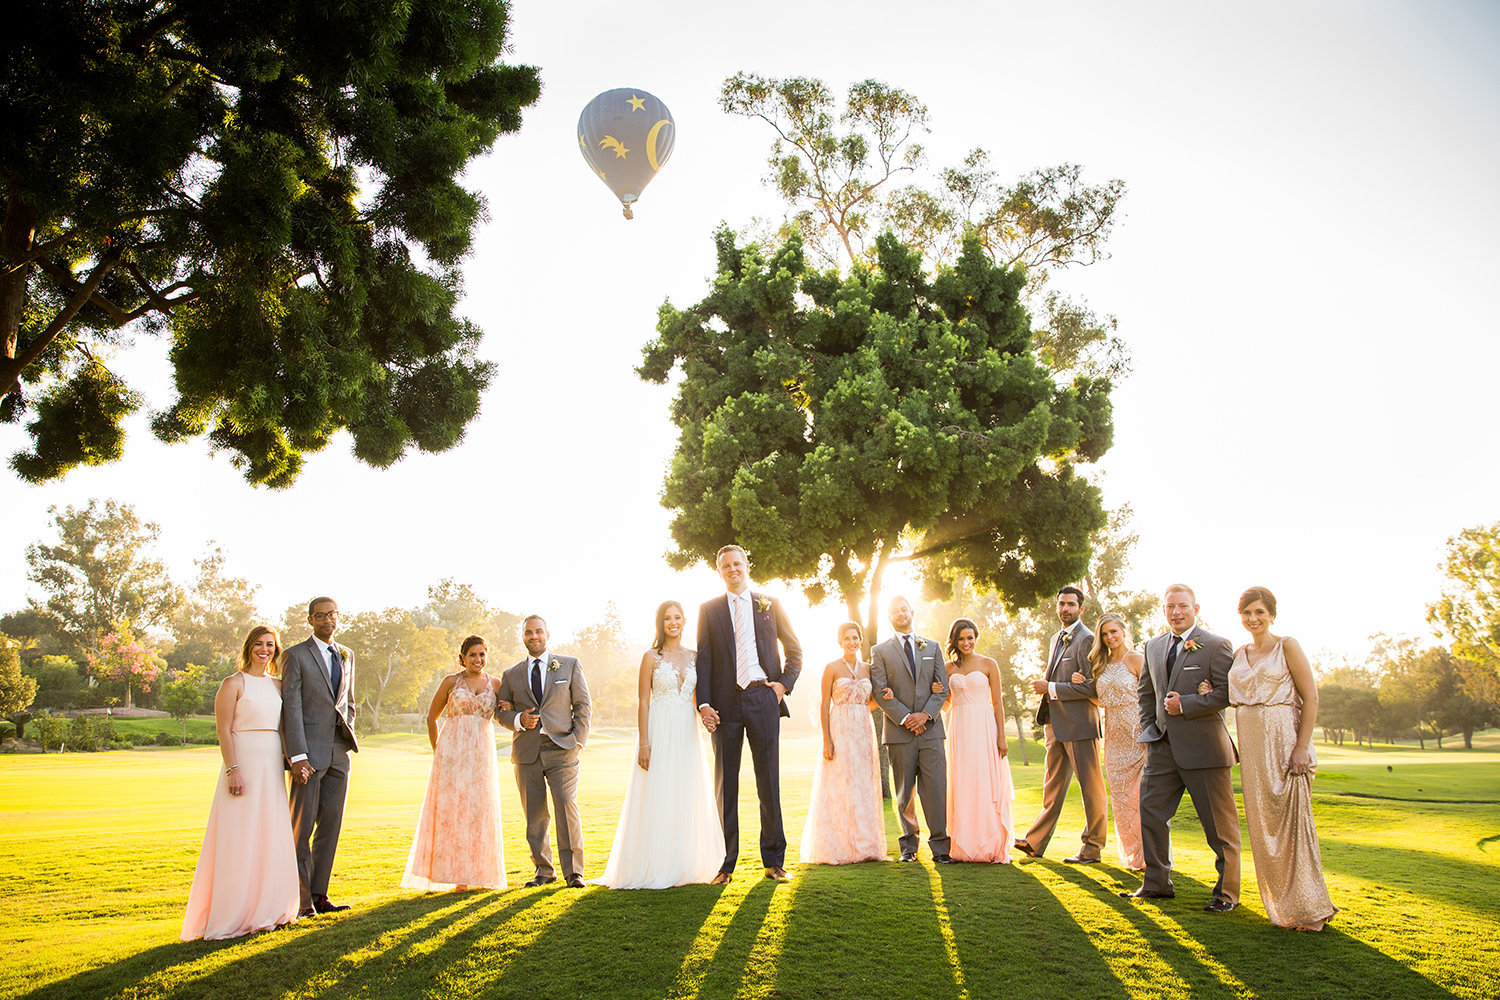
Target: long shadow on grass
(1455,881)
(1212,953)
(339,956)
(1015,937)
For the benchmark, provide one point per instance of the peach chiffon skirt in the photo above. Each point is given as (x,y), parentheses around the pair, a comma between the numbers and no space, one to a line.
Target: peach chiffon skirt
(246,878)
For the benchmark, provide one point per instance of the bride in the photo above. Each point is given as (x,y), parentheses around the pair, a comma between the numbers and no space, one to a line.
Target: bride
(669,832)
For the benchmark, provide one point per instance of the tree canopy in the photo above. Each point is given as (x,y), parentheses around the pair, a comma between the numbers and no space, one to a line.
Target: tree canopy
(832,424)
(270,185)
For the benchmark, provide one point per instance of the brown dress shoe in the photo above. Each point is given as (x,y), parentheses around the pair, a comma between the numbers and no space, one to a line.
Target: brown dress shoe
(778,874)
(720,879)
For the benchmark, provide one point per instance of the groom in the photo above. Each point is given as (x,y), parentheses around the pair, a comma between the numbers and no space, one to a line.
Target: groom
(742,686)
(909,667)
(550,716)
(317,723)
(1187,749)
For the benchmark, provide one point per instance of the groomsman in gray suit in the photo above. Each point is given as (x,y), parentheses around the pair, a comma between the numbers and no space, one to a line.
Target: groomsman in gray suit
(1187,749)
(550,712)
(317,721)
(1069,715)
(909,666)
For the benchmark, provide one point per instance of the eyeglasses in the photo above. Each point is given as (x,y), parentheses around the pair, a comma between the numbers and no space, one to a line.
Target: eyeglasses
(323,616)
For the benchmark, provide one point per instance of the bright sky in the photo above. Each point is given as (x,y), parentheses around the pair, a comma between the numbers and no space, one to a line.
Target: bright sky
(1304,275)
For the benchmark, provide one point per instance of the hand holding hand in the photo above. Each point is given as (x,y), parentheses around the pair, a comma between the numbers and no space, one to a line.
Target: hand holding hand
(1039,686)
(643,758)
(302,770)
(1172,703)
(710,717)
(1078,677)
(1205,687)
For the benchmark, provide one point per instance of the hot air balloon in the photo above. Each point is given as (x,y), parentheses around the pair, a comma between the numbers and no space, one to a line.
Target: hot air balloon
(626,136)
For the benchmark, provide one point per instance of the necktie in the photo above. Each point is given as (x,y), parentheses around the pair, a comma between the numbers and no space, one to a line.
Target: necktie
(536,681)
(911,660)
(744,643)
(1057,650)
(1172,654)
(335,671)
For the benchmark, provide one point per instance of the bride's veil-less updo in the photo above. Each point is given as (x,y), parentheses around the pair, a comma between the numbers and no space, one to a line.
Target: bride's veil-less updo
(661,623)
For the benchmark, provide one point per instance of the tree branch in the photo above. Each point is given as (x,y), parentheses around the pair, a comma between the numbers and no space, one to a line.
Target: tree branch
(10,371)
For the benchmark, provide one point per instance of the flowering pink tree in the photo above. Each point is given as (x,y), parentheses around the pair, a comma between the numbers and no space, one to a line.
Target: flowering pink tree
(122,657)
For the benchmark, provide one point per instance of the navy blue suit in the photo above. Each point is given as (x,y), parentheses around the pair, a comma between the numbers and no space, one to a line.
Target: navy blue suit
(754,712)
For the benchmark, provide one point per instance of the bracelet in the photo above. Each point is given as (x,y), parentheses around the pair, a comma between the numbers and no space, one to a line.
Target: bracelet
(646,747)
(231,767)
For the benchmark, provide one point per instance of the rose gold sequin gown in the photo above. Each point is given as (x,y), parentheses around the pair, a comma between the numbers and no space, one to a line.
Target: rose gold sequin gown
(1278,806)
(1124,759)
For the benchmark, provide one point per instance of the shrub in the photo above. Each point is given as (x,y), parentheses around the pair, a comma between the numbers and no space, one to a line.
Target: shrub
(167,740)
(49,730)
(90,733)
(6,730)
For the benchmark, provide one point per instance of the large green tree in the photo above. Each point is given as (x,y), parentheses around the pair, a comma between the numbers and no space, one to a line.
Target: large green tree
(834,424)
(399,661)
(1468,612)
(100,573)
(272,186)
(216,614)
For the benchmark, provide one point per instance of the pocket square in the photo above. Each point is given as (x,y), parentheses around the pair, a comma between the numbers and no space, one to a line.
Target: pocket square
(1192,667)
(562,680)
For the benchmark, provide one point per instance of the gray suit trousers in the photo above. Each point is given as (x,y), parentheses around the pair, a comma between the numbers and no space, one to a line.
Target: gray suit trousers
(919,767)
(1212,792)
(320,804)
(555,769)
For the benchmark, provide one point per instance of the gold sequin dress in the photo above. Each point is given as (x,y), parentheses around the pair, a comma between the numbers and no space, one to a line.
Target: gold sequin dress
(1278,805)
(1124,759)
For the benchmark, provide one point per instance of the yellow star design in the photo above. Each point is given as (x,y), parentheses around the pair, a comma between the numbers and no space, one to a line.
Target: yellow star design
(636,103)
(581,142)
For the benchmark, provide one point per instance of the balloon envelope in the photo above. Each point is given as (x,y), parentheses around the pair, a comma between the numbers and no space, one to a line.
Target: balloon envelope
(626,136)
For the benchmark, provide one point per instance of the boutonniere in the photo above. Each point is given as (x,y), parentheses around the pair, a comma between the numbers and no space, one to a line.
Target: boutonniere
(1191,646)
(763,604)
(551,665)
(921,643)
(343,655)
(1067,639)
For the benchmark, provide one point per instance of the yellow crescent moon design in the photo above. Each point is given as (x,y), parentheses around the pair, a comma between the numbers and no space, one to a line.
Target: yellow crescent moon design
(651,143)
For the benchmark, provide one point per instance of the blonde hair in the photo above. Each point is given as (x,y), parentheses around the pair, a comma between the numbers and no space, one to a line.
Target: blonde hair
(273,669)
(1099,653)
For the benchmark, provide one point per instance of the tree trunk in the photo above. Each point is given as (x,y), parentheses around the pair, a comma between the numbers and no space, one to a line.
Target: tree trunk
(183,720)
(15,241)
(129,702)
(1469,738)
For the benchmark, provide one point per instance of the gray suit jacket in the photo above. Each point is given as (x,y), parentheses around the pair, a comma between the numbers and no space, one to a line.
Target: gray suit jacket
(1075,713)
(1198,736)
(310,722)
(566,708)
(888,669)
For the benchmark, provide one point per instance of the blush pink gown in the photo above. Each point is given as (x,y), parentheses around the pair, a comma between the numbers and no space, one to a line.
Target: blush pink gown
(845,821)
(980,793)
(246,878)
(458,838)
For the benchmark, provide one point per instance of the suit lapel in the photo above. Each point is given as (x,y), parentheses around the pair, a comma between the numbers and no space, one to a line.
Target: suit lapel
(1159,664)
(322,664)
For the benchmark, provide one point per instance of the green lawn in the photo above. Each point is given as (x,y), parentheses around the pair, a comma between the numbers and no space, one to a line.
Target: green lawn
(99,852)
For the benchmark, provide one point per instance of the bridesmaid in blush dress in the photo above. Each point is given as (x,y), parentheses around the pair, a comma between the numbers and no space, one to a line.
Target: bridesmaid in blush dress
(845,820)
(1118,669)
(980,793)
(457,844)
(669,832)
(1275,709)
(246,878)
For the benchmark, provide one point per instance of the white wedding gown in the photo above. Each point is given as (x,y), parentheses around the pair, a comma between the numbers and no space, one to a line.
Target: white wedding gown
(669,832)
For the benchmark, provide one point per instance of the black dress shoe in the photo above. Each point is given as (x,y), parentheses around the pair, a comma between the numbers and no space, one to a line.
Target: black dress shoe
(325,905)
(1147,894)
(908,856)
(1026,849)
(1079,859)
(1219,905)
(540,880)
(575,882)
(944,859)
